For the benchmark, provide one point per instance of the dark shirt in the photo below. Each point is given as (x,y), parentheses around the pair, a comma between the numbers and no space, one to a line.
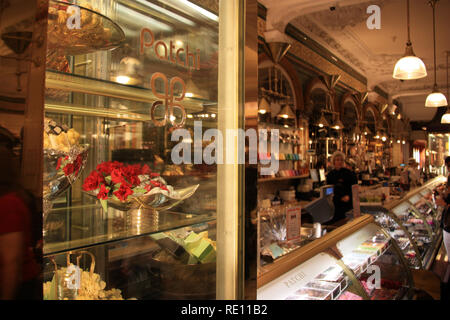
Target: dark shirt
(342,180)
(445,219)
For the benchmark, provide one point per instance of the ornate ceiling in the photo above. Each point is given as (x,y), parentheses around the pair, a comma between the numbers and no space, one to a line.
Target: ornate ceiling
(340,27)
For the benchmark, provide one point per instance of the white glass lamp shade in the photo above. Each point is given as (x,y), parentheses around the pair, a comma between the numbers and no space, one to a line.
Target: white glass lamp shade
(409,68)
(446,117)
(264,106)
(436,99)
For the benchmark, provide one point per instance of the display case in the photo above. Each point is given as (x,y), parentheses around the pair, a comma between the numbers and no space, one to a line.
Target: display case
(358,261)
(413,221)
(128,212)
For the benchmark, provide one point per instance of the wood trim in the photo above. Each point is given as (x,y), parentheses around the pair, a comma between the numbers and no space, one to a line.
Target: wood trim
(290,261)
(377,116)
(348,97)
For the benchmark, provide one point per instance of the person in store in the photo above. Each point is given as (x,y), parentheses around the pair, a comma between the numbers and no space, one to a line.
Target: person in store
(409,177)
(342,179)
(444,201)
(19,270)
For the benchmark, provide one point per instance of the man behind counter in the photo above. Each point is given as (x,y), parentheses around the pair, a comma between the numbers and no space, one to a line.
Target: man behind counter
(342,179)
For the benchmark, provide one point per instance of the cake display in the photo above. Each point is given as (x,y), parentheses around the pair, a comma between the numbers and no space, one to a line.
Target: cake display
(92,32)
(64,158)
(59,137)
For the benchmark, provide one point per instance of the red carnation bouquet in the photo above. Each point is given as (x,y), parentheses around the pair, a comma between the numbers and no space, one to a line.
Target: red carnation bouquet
(117,182)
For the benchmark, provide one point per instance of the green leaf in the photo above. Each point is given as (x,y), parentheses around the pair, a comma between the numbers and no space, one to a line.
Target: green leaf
(108,179)
(139,190)
(104,204)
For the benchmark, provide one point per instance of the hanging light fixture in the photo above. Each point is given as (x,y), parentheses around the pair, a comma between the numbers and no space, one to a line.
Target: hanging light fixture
(263,106)
(366,130)
(286,113)
(435,98)
(338,125)
(446,117)
(410,66)
(322,122)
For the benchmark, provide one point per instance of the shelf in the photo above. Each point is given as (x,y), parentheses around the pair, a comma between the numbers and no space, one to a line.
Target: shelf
(283,178)
(90,226)
(79,110)
(264,125)
(81,84)
(114,114)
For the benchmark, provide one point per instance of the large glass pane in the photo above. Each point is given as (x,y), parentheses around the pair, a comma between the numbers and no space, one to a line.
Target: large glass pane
(374,259)
(126,80)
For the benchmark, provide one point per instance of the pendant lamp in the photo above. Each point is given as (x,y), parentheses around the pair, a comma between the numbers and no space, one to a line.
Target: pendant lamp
(366,130)
(286,113)
(435,98)
(446,117)
(338,125)
(322,122)
(264,106)
(409,67)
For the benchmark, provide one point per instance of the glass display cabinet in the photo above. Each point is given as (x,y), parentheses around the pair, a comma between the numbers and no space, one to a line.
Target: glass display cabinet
(413,221)
(125,216)
(358,261)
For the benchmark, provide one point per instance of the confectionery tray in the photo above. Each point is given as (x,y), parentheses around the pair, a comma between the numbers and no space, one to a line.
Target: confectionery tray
(95,32)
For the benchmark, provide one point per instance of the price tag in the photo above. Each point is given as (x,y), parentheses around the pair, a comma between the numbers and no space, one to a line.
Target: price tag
(355,199)
(293,219)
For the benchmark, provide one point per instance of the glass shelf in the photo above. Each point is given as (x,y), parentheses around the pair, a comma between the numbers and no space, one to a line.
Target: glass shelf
(283,178)
(76,83)
(90,226)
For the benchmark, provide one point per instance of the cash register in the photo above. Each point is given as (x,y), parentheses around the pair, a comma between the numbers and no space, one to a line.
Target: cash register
(322,209)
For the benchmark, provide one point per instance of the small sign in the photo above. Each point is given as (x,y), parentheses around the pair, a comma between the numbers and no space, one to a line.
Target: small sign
(311,151)
(293,219)
(355,198)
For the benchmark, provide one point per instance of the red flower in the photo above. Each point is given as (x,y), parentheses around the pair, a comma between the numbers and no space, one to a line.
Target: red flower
(93,181)
(148,187)
(123,192)
(116,176)
(131,173)
(68,169)
(154,174)
(146,169)
(158,184)
(103,193)
(105,167)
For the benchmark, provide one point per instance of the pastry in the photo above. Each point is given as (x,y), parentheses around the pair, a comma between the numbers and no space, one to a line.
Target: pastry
(59,137)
